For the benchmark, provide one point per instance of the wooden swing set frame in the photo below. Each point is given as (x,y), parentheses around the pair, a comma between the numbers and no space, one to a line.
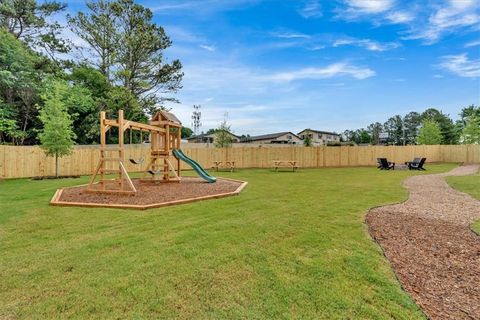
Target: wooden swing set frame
(165,135)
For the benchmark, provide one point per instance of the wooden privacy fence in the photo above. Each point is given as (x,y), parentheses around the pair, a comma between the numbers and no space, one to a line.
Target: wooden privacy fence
(30,161)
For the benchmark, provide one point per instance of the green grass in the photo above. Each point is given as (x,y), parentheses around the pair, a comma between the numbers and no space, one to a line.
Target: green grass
(470,185)
(292,245)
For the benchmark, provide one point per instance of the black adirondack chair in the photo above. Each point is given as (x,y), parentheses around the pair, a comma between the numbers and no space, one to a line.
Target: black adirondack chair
(384,164)
(415,160)
(417,165)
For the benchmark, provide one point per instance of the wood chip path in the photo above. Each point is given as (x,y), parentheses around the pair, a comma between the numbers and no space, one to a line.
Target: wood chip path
(434,253)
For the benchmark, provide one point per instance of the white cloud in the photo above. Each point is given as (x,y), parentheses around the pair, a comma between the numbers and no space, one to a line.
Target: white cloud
(316,47)
(367,44)
(369,6)
(291,35)
(400,17)
(461,65)
(457,14)
(208,48)
(177,33)
(473,43)
(204,6)
(330,71)
(311,9)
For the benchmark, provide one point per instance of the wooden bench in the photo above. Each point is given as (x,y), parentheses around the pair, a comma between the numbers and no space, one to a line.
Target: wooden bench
(285,164)
(229,165)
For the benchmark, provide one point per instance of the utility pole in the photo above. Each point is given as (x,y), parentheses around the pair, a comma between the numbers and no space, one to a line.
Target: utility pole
(196,117)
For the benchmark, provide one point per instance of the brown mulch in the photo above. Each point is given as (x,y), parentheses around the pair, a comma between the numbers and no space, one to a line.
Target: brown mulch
(151,193)
(429,243)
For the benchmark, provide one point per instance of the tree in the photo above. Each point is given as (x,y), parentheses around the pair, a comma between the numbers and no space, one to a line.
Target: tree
(429,133)
(375,129)
(411,124)
(8,126)
(223,137)
(141,65)
(186,132)
(307,140)
(31,22)
(20,82)
(98,29)
(57,136)
(126,42)
(449,133)
(468,112)
(471,132)
(363,136)
(394,128)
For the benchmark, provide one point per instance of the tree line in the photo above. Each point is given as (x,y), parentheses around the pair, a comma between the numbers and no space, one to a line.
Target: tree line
(120,64)
(429,127)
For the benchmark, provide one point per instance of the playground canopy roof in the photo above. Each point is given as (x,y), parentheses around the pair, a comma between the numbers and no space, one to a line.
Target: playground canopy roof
(163,115)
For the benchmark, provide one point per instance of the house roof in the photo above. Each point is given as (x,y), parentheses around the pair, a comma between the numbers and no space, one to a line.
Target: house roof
(319,131)
(272,136)
(202,135)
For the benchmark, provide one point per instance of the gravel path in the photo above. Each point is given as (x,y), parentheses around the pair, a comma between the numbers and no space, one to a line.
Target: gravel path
(429,243)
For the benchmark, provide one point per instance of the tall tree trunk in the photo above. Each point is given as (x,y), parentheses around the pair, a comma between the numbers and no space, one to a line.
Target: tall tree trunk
(56,165)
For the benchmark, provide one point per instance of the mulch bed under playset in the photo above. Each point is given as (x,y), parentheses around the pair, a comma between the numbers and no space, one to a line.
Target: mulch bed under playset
(154,193)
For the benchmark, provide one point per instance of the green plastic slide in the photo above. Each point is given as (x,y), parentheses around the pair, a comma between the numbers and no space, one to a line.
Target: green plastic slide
(194,164)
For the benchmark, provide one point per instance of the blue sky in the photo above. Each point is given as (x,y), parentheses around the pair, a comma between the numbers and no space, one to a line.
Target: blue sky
(286,65)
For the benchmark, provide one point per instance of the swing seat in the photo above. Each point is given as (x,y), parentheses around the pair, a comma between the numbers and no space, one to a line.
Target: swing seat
(154,172)
(137,161)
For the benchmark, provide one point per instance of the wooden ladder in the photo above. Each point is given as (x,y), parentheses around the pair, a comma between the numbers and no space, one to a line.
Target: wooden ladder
(106,156)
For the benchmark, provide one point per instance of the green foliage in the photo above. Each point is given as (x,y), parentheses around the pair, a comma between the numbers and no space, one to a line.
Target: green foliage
(31,22)
(358,136)
(411,124)
(57,136)
(20,81)
(468,112)
(394,128)
(186,132)
(307,140)
(449,133)
(375,129)
(471,132)
(429,133)
(223,136)
(97,28)
(8,125)
(124,38)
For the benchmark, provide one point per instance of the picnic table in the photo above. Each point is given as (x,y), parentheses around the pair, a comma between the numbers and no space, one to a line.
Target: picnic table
(230,165)
(285,164)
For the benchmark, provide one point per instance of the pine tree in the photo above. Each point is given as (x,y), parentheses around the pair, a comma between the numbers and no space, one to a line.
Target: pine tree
(57,136)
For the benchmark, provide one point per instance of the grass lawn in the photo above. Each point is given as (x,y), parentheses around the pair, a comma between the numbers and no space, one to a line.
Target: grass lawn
(292,245)
(470,185)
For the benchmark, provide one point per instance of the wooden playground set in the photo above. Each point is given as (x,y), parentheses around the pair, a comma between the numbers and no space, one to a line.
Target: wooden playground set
(161,182)
(164,130)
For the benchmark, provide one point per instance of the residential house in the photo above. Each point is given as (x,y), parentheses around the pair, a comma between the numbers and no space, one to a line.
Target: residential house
(279,138)
(320,137)
(210,138)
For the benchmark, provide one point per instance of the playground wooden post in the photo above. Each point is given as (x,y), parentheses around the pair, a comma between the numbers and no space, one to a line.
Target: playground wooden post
(121,147)
(103,144)
(167,151)
(179,142)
